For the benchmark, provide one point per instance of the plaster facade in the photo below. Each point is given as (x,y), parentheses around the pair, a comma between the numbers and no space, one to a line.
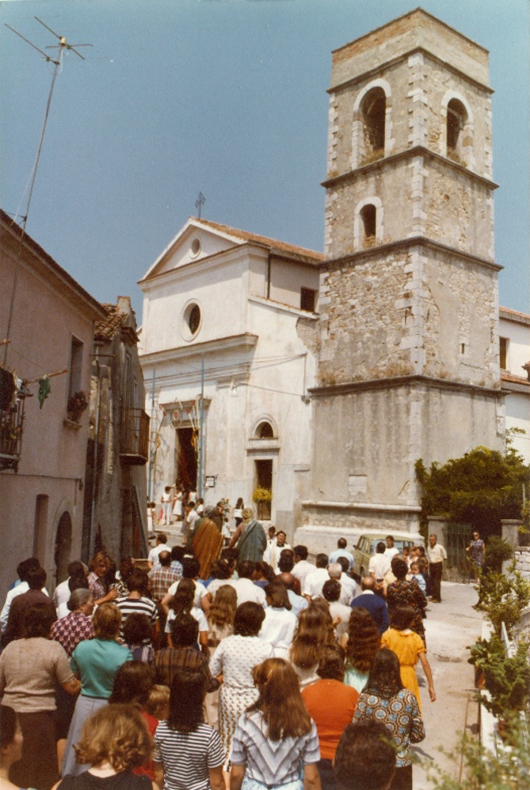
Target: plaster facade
(258,349)
(42,503)
(514,332)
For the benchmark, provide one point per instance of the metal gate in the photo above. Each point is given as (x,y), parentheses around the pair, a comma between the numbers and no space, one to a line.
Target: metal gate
(457,537)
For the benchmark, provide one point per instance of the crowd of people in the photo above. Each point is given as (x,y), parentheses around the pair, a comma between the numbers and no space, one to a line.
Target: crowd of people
(220,663)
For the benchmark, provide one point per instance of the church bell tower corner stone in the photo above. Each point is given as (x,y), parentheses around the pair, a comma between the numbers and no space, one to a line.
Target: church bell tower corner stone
(408,364)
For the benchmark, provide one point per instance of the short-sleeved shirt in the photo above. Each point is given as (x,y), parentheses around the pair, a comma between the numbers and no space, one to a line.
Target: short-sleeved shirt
(200,591)
(198,614)
(142,605)
(187,757)
(271,762)
(29,670)
(71,630)
(331,705)
(96,662)
(160,580)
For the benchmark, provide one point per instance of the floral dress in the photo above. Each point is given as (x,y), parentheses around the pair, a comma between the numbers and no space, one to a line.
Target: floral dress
(405,592)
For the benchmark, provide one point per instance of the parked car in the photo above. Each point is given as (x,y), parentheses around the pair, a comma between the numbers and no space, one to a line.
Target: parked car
(368,541)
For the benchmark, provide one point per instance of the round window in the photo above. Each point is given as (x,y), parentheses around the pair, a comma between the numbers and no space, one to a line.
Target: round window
(194,319)
(195,247)
(191,320)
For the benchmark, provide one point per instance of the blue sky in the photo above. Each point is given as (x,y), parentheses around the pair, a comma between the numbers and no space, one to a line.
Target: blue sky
(227,97)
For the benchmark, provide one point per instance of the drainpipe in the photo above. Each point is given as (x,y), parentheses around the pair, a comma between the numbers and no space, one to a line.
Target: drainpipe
(269,276)
(96,454)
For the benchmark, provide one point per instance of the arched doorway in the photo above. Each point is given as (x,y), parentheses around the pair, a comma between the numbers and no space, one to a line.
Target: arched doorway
(63,546)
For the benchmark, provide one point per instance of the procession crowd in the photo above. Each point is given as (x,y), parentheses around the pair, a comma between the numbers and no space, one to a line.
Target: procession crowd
(224,662)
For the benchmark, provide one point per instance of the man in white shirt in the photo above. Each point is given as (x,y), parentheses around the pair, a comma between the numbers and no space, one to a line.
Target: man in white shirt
(340,551)
(161,541)
(390,550)
(302,567)
(22,587)
(244,586)
(436,554)
(379,564)
(314,581)
(348,586)
(61,594)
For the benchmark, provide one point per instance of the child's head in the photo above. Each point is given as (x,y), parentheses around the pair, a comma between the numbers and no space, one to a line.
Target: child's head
(414,568)
(115,734)
(158,702)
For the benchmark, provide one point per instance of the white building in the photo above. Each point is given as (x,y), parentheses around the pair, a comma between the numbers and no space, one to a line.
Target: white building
(514,338)
(242,308)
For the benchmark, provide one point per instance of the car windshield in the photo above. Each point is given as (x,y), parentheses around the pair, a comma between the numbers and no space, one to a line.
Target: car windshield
(398,544)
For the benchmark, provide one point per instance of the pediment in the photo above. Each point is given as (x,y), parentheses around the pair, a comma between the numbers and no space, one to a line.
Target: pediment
(193,243)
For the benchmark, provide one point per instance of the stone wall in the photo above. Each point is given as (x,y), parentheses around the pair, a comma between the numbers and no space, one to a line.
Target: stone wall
(522,560)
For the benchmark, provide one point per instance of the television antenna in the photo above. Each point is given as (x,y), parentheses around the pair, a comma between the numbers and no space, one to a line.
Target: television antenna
(62,46)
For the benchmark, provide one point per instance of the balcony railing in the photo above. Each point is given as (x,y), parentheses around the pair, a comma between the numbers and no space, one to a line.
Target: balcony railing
(134,436)
(11,426)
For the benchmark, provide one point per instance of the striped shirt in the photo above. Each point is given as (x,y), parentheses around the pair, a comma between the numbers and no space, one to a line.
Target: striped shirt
(139,606)
(169,659)
(187,757)
(271,762)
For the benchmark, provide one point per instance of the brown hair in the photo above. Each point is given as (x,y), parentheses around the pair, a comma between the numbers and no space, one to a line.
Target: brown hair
(331,664)
(311,636)
(116,734)
(363,639)
(106,621)
(280,701)
(223,609)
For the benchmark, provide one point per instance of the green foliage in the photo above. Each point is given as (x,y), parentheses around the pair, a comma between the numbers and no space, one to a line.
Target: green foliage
(507,769)
(479,489)
(499,551)
(502,599)
(507,678)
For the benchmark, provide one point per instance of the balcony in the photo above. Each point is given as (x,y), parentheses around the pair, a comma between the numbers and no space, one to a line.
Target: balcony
(134,437)
(11,426)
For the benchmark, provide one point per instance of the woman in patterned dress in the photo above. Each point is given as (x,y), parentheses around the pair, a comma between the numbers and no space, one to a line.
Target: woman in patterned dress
(234,660)
(385,700)
(405,592)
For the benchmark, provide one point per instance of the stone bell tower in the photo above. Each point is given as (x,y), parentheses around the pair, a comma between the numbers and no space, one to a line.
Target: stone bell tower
(409,362)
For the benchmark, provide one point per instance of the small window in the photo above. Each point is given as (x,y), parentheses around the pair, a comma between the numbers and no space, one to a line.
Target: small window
(368,217)
(456,120)
(194,319)
(373,113)
(503,352)
(308,299)
(264,430)
(195,247)
(76,367)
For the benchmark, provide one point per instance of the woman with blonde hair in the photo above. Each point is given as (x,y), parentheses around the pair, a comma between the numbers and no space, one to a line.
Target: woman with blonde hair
(360,643)
(311,636)
(220,618)
(114,742)
(275,737)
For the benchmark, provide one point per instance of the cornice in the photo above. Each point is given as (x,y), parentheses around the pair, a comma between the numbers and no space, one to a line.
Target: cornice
(412,241)
(394,382)
(409,153)
(245,341)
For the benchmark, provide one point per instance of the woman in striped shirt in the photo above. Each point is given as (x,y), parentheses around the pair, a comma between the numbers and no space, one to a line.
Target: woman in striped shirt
(188,753)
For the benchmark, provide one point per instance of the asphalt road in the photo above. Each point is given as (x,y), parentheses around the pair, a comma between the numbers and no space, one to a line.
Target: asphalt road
(450,627)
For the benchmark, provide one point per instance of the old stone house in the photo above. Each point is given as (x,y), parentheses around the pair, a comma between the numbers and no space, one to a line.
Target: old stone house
(118,442)
(514,343)
(48,320)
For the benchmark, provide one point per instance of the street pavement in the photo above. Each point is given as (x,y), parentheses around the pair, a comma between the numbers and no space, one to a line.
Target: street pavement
(450,627)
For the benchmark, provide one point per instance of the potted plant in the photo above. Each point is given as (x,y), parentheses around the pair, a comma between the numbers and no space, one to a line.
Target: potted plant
(263,498)
(77,404)
(506,678)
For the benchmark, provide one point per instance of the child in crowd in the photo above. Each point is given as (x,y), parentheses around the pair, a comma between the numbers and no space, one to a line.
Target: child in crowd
(418,577)
(157,704)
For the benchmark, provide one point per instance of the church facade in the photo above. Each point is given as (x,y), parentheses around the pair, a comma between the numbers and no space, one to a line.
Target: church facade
(397,323)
